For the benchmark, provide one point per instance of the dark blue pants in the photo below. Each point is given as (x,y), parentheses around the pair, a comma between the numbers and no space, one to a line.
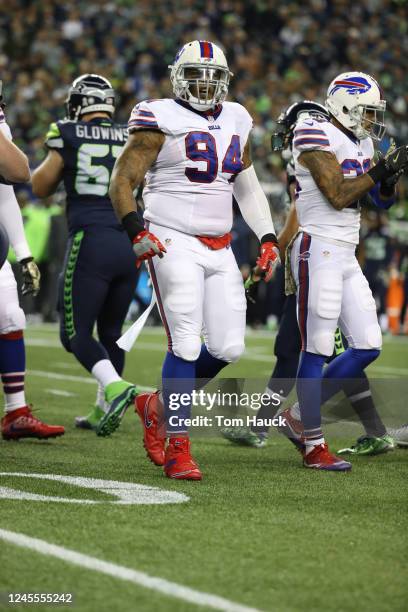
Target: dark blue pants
(96,287)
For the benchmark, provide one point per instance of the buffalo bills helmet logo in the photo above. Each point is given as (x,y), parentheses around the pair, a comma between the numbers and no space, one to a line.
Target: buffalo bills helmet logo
(353,85)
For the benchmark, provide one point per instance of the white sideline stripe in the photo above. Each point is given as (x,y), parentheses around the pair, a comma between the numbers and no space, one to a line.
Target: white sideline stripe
(251,354)
(158,330)
(161,585)
(58,376)
(60,392)
(46,343)
(72,378)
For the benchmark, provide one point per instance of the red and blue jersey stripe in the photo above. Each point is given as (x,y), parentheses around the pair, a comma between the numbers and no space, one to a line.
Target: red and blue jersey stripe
(206,49)
(142,118)
(309,136)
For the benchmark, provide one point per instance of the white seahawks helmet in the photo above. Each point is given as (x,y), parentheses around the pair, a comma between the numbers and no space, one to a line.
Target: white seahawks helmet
(200,75)
(354,99)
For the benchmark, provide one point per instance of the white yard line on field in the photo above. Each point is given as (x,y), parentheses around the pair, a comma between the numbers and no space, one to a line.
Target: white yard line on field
(58,376)
(251,354)
(52,343)
(60,392)
(165,587)
(72,378)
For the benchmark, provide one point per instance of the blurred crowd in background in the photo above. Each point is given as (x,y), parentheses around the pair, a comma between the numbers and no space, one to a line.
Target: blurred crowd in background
(279,52)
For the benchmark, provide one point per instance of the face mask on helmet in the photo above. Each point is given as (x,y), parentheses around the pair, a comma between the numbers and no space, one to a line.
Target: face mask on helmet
(286,123)
(354,99)
(90,93)
(200,75)
(369,120)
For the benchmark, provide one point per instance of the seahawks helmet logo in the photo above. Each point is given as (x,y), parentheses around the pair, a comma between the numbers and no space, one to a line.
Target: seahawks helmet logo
(353,86)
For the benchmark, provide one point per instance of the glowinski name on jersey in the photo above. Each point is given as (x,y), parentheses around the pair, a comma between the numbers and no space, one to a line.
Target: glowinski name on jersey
(101,132)
(315,213)
(89,150)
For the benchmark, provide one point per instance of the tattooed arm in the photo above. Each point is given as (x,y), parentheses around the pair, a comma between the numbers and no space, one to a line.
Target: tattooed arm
(139,153)
(328,176)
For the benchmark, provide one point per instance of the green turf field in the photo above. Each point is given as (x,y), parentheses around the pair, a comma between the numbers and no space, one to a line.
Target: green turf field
(259,531)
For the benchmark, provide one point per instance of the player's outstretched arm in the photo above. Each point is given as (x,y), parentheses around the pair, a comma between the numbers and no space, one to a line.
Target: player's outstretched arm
(12,221)
(341,192)
(47,176)
(139,153)
(255,210)
(14,166)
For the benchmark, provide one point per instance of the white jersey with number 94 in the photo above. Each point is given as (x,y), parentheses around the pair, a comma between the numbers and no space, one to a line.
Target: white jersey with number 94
(189,186)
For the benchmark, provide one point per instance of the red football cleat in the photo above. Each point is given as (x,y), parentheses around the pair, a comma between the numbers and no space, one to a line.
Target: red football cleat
(147,406)
(179,463)
(21,423)
(320,458)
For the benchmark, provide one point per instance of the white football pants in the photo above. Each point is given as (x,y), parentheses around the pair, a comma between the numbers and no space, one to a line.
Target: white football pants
(332,291)
(12,317)
(200,292)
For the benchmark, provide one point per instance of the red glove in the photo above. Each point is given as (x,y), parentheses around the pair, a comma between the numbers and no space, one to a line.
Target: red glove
(268,259)
(146,246)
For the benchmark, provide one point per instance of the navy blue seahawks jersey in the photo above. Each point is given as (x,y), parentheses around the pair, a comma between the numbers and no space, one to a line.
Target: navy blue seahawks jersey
(89,150)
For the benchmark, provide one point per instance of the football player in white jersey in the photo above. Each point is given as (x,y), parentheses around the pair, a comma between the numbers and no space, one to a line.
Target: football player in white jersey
(13,163)
(18,421)
(195,154)
(333,164)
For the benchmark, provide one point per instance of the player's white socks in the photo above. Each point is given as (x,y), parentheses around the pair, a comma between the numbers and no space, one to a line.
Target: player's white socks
(105,373)
(100,399)
(13,389)
(14,401)
(310,444)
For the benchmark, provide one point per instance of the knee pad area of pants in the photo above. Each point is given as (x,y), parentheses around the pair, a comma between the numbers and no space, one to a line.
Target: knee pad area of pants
(187,348)
(229,353)
(323,342)
(373,337)
(12,318)
(369,338)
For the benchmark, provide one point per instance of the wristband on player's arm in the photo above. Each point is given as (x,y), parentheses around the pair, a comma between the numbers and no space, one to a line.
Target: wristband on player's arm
(379,172)
(132,225)
(269,238)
